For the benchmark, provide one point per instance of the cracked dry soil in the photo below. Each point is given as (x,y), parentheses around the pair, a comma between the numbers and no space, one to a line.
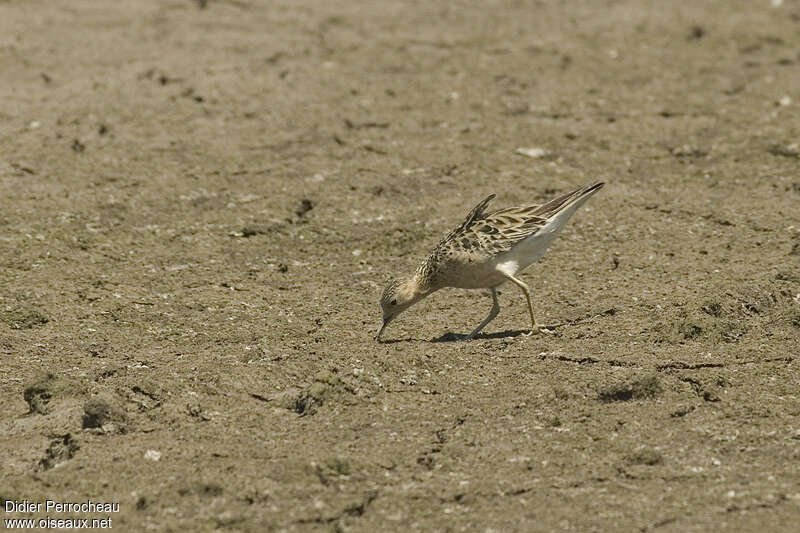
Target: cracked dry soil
(202,200)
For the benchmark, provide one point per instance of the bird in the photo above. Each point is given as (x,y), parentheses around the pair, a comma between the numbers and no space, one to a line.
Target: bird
(484,252)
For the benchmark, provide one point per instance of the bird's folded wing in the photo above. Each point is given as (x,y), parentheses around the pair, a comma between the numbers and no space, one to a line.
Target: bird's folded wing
(498,232)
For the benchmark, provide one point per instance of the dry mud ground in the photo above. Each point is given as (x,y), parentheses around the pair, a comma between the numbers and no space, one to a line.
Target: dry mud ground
(201,202)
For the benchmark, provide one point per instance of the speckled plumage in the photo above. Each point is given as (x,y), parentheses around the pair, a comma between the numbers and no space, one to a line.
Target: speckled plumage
(485,251)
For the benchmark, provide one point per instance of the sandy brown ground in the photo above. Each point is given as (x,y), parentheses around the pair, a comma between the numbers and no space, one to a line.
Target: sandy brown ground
(201,203)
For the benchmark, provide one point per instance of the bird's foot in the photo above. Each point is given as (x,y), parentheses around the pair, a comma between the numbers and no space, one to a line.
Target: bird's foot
(541,329)
(471,337)
(548,329)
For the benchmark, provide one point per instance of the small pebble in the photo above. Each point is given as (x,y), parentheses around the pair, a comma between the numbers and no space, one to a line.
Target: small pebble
(534,153)
(152,455)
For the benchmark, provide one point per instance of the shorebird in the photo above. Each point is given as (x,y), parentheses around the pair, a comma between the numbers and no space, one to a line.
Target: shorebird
(484,252)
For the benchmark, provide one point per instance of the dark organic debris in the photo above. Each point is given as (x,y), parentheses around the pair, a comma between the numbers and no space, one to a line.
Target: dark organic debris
(785,150)
(705,391)
(77,146)
(259,397)
(155,74)
(634,389)
(255,229)
(305,206)
(146,395)
(717,220)
(364,125)
(358,509)
(311,399)
(252,231)
(189,93)
(306,401)
(374,150)
(61,449)
(197,412)
(274,58)
(23,318)
(39,394)
(682,411)
(104,412)
(332,470)
(353,509)
(689,330)
(210,489)
(23,168)
(644,457)
(427,461)
(696,32)
(724,315)
(788,275)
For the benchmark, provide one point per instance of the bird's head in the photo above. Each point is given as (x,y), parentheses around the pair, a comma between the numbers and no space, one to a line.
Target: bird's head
(398,296)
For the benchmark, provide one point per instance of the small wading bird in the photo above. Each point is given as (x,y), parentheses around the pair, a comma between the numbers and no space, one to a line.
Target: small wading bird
(484,252)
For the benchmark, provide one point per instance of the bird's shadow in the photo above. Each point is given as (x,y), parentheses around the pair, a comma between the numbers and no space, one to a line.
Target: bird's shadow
(507,334)
(459,337)
(395,341)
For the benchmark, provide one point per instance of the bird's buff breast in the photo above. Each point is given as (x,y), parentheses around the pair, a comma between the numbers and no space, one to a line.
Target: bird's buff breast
(473,276)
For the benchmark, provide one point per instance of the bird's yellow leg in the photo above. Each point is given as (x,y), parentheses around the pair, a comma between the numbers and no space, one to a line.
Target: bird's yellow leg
(535,328)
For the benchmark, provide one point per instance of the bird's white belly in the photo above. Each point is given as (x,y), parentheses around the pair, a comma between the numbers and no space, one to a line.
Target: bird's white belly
(525,253)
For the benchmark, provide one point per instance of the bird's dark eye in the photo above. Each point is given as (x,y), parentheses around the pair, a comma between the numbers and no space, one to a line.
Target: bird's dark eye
(393,302)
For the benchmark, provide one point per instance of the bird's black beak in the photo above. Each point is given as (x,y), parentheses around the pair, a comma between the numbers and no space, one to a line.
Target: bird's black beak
(383,327)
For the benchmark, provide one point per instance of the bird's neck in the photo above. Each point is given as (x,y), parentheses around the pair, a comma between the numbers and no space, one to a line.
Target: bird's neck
(425,278)
(416,288)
